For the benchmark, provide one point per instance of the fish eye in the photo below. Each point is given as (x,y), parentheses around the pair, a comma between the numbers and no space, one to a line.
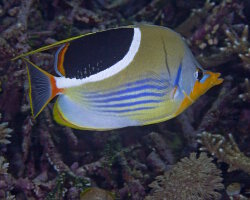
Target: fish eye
(198,74)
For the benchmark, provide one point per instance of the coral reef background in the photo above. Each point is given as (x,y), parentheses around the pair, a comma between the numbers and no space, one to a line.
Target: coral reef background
(42,160)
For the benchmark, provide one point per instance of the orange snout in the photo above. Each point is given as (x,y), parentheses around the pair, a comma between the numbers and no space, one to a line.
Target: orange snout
(214,78)
(199,89)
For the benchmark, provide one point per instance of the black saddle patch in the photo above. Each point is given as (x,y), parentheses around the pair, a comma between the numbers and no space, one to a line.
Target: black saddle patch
(96,52)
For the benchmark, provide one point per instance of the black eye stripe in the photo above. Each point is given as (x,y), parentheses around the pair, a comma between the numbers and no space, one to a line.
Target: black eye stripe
(199,74)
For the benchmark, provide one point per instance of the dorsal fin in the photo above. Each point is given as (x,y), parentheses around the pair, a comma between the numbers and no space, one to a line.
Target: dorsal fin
(97,52)
(86,55)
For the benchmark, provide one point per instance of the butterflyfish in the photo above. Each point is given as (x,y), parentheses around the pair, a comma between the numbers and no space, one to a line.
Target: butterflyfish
(127,76)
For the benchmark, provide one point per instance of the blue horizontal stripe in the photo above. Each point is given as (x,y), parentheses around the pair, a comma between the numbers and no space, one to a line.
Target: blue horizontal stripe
(127,90)
(129,103)
(128,110)
(142,81)
(162,81)
(133,96)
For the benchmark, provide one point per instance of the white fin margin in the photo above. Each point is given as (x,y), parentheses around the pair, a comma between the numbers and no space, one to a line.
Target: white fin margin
(62,82)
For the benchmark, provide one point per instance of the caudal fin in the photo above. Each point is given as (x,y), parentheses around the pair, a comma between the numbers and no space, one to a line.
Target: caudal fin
(42,87)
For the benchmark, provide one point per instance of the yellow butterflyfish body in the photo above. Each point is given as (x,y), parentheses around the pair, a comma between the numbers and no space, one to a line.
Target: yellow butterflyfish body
(128,76)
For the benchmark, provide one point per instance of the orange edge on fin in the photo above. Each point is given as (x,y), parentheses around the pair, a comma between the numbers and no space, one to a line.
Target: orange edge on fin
(54,89)
(60,66)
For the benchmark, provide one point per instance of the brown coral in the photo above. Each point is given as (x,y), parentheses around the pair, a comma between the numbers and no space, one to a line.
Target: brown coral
(246,95)
(95,194)
(3,166)
(238,45)
(5,133)
(226,150)
(5,180)
(191,178)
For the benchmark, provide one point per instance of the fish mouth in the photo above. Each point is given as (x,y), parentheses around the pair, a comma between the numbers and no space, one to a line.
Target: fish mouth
(215,78)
